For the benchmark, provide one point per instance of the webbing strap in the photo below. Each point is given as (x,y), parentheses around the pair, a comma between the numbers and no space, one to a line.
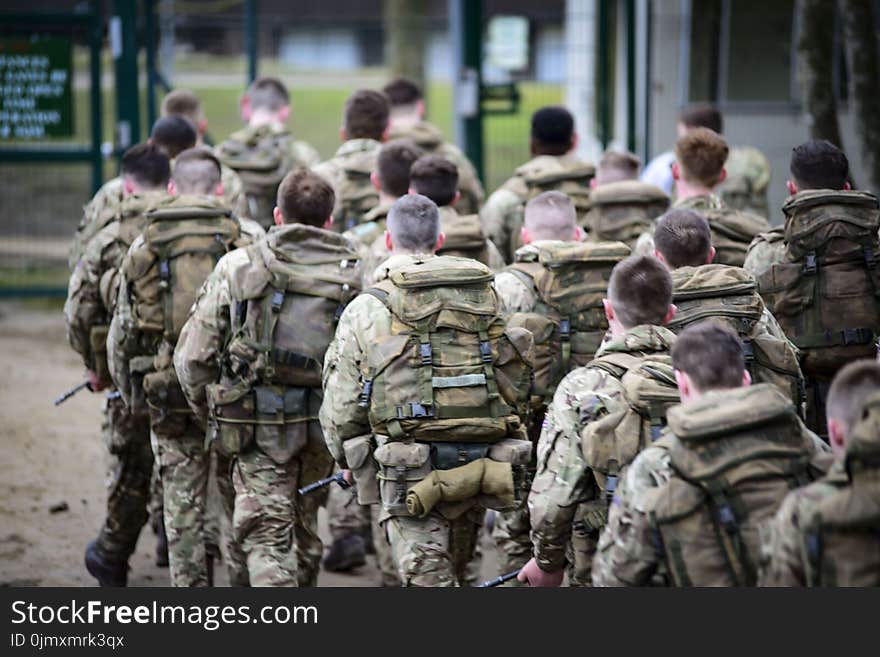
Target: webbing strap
(271,310)
(728,534)
(813,551)
(565,337)
(167,298)
(489,372)
(461,381)
(842,337)
(426,370)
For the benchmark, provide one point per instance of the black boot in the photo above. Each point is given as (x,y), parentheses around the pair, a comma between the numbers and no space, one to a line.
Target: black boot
(161,544)
(346,553)
(106,571)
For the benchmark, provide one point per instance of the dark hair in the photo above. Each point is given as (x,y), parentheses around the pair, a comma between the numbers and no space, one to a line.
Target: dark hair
(711,354)
(196,171)
(268,93)
(683,237)
(435,177)
(393,165)
(366,114)
(702,115)
(402,91)
(182,102)
(147,164)
(640,291)
(414,223)
(552,131)
(850,391)
(701,155)
(174,134)
(305,198)
(819,164)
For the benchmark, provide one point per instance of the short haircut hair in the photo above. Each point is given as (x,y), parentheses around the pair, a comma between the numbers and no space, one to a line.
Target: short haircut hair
(711,354)
(414,223)
(393,165)
(850,391)
(701,155)
(305,198)
(436,177)
(552,130)
(702,115)
(402,92)
(366,114)
(640,291)
(147,165)
(819,164)
(683,237)
(174,134)
(550,216)
(268,93)
(196,171)
(615,166)
(182,102)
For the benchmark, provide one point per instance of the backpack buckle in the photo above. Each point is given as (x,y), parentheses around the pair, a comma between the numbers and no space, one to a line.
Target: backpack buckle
(610,486)
(486,351)
(426,354)
(277,300)
(870,260)
(417,409)
(727,518)
(164,270)
(366,393)
(565,329)
(856,336)
(748,351)
(810,265)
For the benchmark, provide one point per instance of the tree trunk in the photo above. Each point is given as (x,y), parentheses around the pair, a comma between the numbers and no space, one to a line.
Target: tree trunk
(405,36)
(864,74)
(815,49)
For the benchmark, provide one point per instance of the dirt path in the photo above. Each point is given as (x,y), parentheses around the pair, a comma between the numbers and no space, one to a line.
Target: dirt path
(50,456)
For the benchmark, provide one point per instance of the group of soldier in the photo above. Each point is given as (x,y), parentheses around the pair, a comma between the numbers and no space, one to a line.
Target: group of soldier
(626,381)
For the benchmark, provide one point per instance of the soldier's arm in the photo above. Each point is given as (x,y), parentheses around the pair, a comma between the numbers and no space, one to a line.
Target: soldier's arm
(496,260)
(514,295)
(120,326)
(627,554)
(344,363)
(782,547)
(496,218)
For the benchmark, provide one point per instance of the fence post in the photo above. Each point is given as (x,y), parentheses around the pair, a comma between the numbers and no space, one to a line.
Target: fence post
(123,41)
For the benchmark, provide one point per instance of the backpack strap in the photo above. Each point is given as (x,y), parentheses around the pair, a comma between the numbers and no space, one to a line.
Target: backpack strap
(672,556)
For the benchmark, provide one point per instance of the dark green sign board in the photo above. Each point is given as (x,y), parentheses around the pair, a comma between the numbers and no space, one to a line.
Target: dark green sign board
(35,83)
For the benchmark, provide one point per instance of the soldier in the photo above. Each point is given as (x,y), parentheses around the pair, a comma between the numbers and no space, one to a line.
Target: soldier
(264,151)
(826,534)
(365,126)
(436,178)
(435,444)
(622,208)
(183,102)
(698,169)
(602,415)
(408,121)
(823,290)
(725,294)
(159,278)
(249,362)
(748,170)
(87,312)
(690,507)
(553,166)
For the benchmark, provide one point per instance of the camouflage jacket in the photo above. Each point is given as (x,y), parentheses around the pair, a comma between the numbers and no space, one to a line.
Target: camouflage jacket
(429,138)
(564,479)
(748,177)
(123,323)
(502,215)
(360,154)
(765,250)
(514,294)
(92,290)
(627,554)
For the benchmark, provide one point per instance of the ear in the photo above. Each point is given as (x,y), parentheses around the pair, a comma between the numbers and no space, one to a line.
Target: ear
(412,191)
(244,106)
(747,379)
(441,240)
(792,188)
(574,141)
(676,171)
(683,381)
(279,218)
(343,135)
(374,179)
(128,186)
(388,243)
(670,314)
(284,114)
(660,257)
(711,256)
(594,183)
(420,108)
(203,126)
(836,435)
(456,198)
(609,310)
(218,190)
(847,187)
(328,225)
(172,188)
(525,235)
(722,176)
(386,133)
(578,234)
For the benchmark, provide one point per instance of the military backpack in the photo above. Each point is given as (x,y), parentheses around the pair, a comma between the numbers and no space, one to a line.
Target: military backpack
(623,211)
(735,458)
(464,237)
(356,195)
(568,322)
(826,293)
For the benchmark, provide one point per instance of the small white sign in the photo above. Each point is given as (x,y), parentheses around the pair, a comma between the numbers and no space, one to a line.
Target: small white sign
(508,47)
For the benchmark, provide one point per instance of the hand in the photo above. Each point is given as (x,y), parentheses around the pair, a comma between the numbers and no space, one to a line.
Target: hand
(95,385)
(348,477)
(532,574)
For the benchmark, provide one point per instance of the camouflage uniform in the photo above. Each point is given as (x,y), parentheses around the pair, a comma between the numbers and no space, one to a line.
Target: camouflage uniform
(276,528)
(356,156)
(748,177)
(90,303)
(765,250)
(429,138)
(430,551)
(564,491)
(627,553)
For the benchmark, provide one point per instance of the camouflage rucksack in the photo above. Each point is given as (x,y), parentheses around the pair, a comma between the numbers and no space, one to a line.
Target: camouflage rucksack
(748,176)
(735,457)
(826,294)
(842,534)
(732,230)
(728,295)
(623,211)
(356,195)
(451,370)
(464,237)
(568,323)
(261,157)
(285,307)
(610,443)
(573,181)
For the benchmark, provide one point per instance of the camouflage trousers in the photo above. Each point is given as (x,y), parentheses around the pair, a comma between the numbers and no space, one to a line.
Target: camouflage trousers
(127,440)
(275,526)
(435,551)
(345,516)
(184,467)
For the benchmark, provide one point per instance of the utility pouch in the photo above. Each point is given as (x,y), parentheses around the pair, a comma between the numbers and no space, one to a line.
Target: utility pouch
(401,466)
(282,421)
(138,368)
(98,344)
(364,468)
(231,409)
(167,405)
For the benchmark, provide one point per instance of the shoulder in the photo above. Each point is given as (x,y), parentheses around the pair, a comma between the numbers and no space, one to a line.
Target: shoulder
(251,231)
(646,475)
(587,389)
(515,295)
